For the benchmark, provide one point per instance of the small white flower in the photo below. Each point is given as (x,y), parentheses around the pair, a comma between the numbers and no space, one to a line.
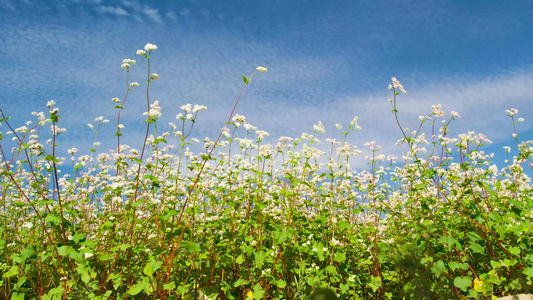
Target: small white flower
(50,104)
(134,84)
(125,66)
(154,76)
(396,84)
(437,110)
(141,52)
(120,126)
(70,237)
(88,255)
(72,150)
(511,112)
(261,69)
(129,61)
(198,108)
(28,225)
(354,123)
(116,100)
(187,107)
(150,47)
(239,118)
(338,126)
(90,125)
(319,127)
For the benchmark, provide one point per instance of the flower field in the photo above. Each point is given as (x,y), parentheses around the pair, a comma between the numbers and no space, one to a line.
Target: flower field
(245,219)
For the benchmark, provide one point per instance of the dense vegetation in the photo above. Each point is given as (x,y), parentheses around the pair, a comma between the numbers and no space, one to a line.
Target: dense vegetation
(244,219)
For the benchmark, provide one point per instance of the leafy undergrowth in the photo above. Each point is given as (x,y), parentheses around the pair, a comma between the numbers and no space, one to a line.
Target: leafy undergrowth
(244,219)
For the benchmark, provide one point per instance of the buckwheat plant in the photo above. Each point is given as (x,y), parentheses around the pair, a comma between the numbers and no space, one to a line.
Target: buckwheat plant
(239,218)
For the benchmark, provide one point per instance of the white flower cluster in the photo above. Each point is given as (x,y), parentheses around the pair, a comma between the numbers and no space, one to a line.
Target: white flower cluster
(155,110)
(148,47)
(511,112)
(397,85)
(127,62)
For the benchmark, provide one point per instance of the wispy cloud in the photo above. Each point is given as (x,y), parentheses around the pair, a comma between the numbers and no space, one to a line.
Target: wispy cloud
(185,12)
(7,5)
(171,15)
(112,10)
(139,12)
(152,14)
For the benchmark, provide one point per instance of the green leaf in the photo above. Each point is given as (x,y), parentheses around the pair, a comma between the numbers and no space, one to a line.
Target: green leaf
(514,250)
(509,263)
(26,253)
(438,268)
(461,266)
(258,291)
(375,283)
(246,80)
(63,250)
(17,296)
(528,272)
(281,237)
(495,264)
(135,289)
(193,247)
(281,283)
(124,246)
(152,267)
(51,158)
(462,282)
(340,256)
(331,269)
(495,216)
(53,219)
(70,252)
(169,286)
(85,277)
(240,282)
(240,259)
(476,248)
(14,270)
(16,258)
(259,258)
(344,226)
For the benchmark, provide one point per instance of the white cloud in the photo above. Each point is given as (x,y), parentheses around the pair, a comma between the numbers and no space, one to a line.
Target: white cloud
(171,15)
(152,14)
(112,10)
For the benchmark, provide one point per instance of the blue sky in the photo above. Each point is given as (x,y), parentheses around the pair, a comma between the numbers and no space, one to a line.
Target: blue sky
(327,61)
